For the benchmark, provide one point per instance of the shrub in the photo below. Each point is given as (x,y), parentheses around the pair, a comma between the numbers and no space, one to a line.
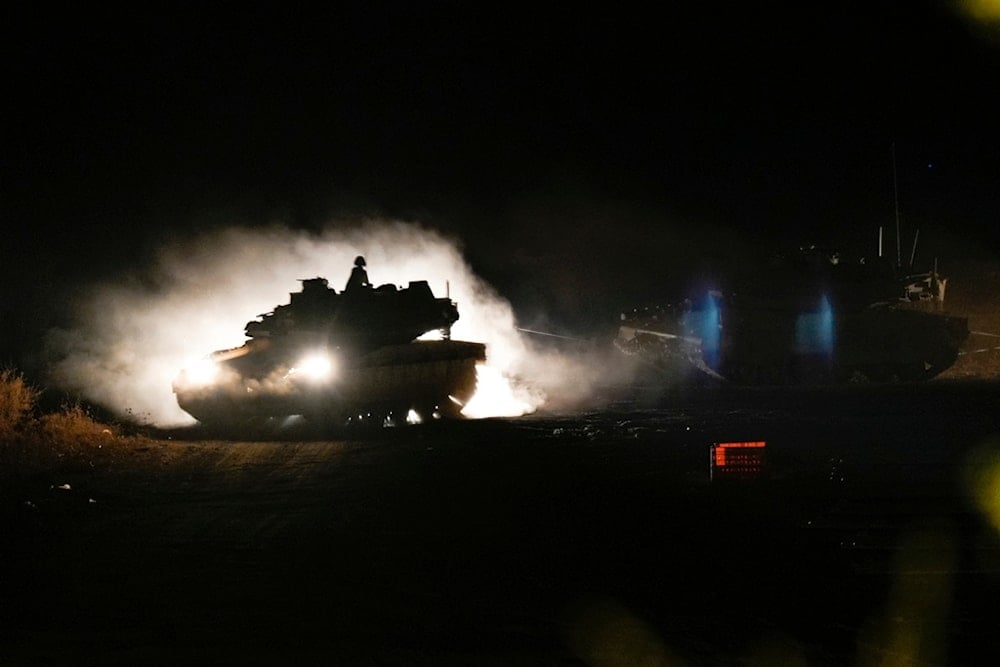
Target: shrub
(17,402)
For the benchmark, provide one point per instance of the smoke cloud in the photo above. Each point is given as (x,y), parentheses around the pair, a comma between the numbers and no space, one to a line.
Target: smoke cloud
(131,338)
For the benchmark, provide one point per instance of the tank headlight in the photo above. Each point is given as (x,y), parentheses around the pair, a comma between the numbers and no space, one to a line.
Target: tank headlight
(202,372)
(315,367)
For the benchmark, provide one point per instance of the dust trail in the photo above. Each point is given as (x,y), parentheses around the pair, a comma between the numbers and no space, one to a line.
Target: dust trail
(131,337)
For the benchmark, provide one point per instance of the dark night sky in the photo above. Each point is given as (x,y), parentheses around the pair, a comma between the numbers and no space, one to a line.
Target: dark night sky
(604,151)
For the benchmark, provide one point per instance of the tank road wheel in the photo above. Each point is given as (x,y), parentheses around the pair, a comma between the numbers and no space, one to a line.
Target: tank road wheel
(238,426)
(398,415)
(449,409)
(429,411)
(325,420)
(426,411)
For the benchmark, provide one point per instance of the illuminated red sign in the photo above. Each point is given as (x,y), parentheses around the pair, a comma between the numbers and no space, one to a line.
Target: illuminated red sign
(739,459)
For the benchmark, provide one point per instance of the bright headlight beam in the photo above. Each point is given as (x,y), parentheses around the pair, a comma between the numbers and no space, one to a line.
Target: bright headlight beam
(202,372)
(317,366)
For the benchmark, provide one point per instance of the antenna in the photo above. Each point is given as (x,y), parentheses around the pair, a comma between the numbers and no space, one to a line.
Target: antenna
(895,196)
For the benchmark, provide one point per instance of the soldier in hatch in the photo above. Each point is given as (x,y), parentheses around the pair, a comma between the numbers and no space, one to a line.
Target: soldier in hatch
(359,277)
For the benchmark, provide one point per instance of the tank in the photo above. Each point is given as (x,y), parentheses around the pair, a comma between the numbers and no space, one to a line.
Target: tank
(804,318)
(339,358)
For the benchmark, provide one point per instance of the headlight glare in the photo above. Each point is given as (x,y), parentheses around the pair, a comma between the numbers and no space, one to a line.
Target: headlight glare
(202,372)
(316,367)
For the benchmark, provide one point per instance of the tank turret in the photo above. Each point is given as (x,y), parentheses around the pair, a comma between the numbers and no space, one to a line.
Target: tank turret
(362,318)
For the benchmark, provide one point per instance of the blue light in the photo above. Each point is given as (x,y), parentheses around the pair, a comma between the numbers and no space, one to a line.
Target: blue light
(814,331)
(709,329)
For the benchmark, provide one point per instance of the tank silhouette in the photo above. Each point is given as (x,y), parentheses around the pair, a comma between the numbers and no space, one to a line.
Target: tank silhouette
(804,318)
(337,358)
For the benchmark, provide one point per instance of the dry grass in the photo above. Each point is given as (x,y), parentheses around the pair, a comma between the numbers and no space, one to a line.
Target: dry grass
(17,403)
(74,430)
(68,439)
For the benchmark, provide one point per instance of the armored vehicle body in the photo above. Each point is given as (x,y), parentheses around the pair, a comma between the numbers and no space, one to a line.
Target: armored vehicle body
(337,358)
(807,318)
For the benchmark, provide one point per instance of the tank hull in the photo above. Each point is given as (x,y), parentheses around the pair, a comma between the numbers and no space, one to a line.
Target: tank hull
(878,344)
(806,317)
(764,344)
(429,379)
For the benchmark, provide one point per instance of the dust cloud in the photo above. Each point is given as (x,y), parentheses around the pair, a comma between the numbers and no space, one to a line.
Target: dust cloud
(131,337)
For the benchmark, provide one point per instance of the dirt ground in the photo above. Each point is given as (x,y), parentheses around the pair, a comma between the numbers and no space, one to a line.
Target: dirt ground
(603,538)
